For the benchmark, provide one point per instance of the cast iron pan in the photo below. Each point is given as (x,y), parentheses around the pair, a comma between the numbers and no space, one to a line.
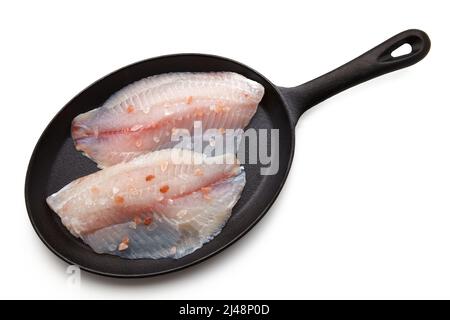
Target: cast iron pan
(55,162)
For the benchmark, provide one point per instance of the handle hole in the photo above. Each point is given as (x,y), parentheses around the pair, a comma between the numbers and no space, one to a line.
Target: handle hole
(403,50)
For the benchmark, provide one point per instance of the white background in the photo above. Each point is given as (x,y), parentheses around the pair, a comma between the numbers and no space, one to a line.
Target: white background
(365,212)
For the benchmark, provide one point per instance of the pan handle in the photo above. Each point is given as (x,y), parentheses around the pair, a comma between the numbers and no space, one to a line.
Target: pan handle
(369,65)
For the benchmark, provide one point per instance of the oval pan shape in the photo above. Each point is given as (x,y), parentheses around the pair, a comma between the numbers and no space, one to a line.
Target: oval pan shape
(55,163)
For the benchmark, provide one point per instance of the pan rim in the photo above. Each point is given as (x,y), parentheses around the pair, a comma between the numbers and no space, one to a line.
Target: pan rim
(203,258)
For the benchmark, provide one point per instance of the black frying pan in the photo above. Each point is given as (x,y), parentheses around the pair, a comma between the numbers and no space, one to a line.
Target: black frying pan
(55,162)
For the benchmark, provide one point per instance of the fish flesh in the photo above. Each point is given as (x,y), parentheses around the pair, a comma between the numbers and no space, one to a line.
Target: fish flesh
(175,231)
(144,115)
(163,204)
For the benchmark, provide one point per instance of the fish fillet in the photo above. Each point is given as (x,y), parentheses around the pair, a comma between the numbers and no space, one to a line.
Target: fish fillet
(142,116)
(162,204)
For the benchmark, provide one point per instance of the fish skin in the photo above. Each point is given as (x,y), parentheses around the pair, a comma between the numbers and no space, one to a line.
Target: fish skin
(121,192)
(140,117)
(177,229)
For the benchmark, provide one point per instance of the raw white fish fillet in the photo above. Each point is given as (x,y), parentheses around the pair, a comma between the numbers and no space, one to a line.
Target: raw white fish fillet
(142,116)
(162,204)
(177,229)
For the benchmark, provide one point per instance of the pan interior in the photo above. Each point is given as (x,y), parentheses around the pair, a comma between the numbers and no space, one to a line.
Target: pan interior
(55,162)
